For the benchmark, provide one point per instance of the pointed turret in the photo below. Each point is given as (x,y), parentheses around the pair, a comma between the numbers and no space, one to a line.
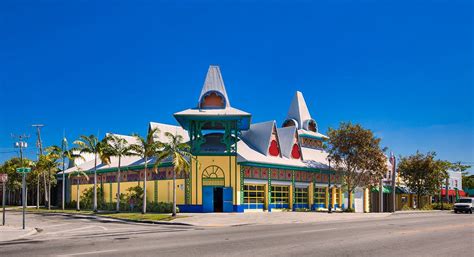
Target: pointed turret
(213,93)
(298,110)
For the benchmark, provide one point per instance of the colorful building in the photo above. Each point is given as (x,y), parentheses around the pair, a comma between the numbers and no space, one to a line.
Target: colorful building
(239,165)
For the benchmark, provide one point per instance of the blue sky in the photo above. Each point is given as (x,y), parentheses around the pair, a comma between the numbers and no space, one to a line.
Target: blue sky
(401,68)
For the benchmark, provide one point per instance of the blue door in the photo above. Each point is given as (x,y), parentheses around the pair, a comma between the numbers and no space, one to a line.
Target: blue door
(227,196)
(208,199)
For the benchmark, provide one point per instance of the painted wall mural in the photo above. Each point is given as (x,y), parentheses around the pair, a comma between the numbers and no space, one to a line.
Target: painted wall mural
(286,175)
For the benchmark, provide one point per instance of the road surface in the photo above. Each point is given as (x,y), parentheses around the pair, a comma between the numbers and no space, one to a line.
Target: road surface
(428,234)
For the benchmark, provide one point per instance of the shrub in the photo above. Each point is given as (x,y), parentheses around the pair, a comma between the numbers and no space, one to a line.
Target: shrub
(134,198)
(446,206)
(427,207)
(349,210)
(406,208)
(161,207)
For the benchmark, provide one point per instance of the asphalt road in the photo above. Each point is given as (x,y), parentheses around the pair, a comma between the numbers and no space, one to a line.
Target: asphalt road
(432,234)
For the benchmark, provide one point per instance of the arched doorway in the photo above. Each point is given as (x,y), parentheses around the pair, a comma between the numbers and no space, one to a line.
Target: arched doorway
(215,196)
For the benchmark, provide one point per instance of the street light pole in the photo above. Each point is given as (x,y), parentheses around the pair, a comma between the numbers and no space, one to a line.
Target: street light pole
(22,144)
(329,188)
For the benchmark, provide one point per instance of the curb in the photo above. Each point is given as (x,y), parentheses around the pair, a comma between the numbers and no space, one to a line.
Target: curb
(111,219)
(32,231)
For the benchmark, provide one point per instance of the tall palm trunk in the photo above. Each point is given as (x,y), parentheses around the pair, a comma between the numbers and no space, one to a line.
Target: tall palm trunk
(38,192)
(63,194)
(78,206)
(144,187)
(49,192)
(46,200)
(95,183)
(174,193)
(118,186)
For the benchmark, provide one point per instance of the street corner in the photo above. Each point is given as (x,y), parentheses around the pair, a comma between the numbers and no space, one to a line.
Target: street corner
(11,233)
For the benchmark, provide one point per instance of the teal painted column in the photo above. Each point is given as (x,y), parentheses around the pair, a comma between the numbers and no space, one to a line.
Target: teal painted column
(269,190)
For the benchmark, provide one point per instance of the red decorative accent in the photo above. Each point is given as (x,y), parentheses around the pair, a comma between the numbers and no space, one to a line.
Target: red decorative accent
(295,152)
(256,172)
(264,173)
(247,172)
(274,151)
(282,174)
(288,174)
(274,173)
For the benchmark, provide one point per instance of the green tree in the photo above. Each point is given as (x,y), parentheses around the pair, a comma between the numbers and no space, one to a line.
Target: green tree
(147,148)
(422,173)
(92,145)
(49,165)
(357,155)
(14,178)
(118,147)
(180,155)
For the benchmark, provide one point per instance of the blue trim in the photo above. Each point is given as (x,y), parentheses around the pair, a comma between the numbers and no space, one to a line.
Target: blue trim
(318,206)
(239,208)
(190,208)
(252,206)
(300,206)
(278,206)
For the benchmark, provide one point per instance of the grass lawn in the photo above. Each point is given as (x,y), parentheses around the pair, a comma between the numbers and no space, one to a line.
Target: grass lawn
(142,217)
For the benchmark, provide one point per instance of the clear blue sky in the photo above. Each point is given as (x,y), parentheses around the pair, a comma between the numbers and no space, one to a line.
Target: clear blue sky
(401,68)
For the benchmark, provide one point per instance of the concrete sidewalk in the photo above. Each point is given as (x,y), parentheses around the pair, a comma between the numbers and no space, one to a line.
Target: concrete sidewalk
(10,233)
(271,218)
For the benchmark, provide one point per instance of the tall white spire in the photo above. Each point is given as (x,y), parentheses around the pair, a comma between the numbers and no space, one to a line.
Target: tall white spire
(214,82)
(298,110)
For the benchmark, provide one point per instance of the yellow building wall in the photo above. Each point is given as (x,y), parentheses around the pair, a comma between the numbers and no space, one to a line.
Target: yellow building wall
(82,188)
(341,196)
(226,163)
(311,195)
(333,198)
(291,197)
(165,193)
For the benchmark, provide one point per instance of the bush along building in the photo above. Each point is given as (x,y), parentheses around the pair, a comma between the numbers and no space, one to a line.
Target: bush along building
(237,166)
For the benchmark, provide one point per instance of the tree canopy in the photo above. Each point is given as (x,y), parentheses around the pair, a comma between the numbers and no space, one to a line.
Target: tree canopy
(357,155)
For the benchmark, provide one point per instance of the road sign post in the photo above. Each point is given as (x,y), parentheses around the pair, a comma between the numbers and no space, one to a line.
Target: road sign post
(3,179)
(23,171)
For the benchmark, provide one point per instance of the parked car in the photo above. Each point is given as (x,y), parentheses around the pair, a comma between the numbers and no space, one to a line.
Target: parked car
(464,204)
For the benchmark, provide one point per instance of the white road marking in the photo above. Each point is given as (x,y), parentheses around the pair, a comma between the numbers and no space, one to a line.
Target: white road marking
(86,253)
(316,230)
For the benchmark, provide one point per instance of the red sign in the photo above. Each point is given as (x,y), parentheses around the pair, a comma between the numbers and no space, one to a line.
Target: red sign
(3,178)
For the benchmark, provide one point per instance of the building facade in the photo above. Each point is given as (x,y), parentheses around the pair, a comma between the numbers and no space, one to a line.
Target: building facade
(238,165)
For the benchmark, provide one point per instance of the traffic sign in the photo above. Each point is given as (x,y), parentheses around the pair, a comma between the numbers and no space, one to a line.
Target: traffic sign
(3,178)
(23,170)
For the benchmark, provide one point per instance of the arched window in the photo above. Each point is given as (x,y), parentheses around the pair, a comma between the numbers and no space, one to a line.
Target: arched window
(213,176)
(212,99)
(289,123)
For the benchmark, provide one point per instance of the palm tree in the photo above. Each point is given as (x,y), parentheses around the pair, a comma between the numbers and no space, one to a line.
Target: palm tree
(118,147)
(91,144)
(48,164)
(180,154)
(78,173)
(64,153)
(146,148)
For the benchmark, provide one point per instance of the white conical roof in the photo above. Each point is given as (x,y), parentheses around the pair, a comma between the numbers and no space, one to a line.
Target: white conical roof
(214,82)
(298,110)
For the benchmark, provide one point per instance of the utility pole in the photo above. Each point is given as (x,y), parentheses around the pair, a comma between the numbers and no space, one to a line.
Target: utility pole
(22,144)
(39,145)
(381,195)
(394,186)
(64,149)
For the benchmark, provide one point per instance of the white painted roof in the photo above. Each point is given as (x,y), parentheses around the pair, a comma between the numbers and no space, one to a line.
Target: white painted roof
(214,82)
(286,137)
(246,153)
(213,112)
(317,157)
(302,132)
(163,128)
(258,136)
